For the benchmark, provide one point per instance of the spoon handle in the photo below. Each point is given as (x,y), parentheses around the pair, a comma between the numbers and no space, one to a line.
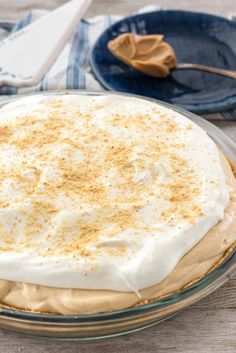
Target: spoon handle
(213,70)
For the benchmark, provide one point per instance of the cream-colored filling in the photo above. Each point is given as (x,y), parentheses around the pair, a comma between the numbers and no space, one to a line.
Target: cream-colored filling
(193,266)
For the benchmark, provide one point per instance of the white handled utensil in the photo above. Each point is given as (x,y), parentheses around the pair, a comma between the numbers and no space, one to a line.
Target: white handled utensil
(26,55)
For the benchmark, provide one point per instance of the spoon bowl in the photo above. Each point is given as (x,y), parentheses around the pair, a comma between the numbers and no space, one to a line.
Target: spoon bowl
(151,55)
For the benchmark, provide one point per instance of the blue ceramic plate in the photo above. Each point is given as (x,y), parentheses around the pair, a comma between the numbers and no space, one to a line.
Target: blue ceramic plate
(196,38)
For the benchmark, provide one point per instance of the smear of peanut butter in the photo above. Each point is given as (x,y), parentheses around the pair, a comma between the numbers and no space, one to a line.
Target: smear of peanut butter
(149,54)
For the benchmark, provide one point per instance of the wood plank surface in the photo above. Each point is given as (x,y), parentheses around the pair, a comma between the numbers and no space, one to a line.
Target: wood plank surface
(15,8)
(208,326)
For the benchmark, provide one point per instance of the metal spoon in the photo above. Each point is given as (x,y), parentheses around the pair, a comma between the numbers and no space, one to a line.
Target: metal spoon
(151,55)
(213,70)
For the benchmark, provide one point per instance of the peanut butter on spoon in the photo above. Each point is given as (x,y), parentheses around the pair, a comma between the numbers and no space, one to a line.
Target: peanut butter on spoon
(148,54)
(154,57)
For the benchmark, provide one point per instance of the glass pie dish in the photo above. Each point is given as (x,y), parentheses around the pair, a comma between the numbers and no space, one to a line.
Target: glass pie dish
(108,324)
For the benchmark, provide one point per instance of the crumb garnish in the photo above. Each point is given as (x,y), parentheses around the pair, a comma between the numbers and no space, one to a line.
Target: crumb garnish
(65,160)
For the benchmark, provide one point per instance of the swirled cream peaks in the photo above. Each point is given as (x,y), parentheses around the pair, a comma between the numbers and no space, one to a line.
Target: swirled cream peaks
(102,192)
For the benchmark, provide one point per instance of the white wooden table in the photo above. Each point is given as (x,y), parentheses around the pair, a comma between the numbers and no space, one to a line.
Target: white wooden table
(206,327)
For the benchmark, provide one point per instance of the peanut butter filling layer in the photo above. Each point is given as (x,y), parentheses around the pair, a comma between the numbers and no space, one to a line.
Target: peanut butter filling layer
(208,253)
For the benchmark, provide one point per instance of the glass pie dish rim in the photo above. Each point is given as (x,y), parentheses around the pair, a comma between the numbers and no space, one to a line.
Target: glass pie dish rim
(224,269)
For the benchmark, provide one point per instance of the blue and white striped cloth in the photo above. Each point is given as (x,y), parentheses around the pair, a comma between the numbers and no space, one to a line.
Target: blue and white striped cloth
(71,70)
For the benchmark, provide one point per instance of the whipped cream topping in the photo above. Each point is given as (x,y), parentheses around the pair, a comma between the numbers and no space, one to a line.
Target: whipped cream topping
(102,192)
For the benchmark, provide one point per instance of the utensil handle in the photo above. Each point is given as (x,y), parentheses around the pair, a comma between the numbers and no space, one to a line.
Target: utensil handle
(213,70)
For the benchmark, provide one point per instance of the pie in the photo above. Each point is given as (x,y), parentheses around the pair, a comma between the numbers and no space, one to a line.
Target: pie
(107,202)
